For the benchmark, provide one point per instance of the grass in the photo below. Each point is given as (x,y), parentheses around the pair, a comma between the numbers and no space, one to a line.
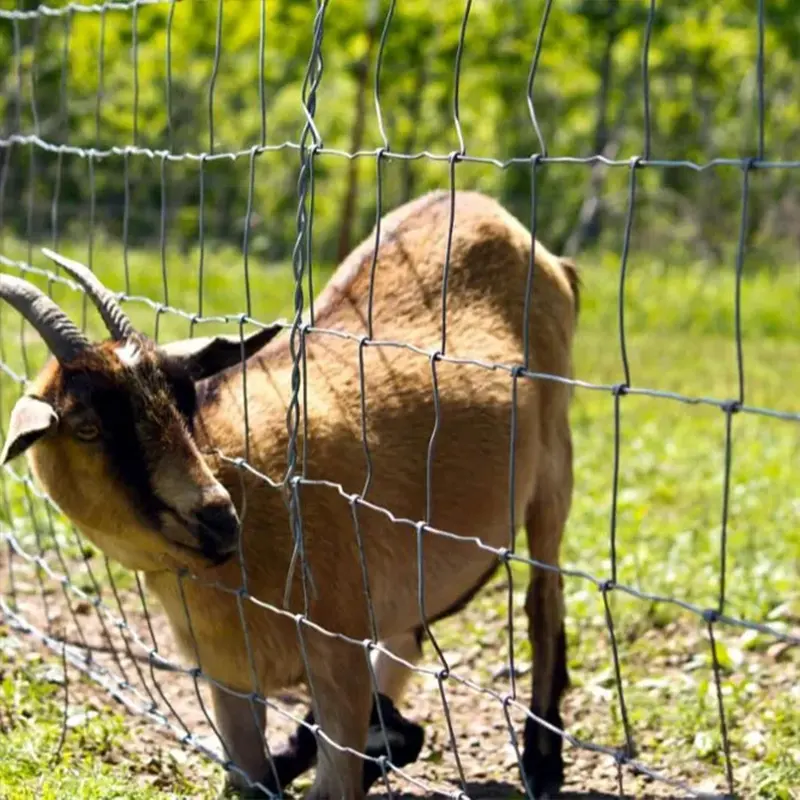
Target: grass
(680,338)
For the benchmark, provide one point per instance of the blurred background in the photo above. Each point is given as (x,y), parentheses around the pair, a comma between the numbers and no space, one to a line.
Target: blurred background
(210,77)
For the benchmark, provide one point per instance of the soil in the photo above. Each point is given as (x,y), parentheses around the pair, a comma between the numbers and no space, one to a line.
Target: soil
(118,655)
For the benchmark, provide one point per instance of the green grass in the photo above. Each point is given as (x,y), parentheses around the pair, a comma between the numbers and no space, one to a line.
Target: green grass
(92,753)
(680,338)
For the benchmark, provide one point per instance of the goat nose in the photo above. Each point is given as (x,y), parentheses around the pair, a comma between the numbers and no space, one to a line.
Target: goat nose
(217,528)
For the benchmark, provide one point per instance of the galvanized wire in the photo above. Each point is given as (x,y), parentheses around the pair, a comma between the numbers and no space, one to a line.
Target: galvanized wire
(130,648)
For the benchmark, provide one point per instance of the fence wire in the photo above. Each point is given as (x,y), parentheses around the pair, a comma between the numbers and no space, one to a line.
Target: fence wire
(110,633)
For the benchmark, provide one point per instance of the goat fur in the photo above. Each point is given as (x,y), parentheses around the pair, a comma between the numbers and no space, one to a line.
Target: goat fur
(470,476)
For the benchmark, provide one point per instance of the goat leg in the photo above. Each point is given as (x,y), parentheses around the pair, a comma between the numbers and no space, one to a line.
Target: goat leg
(405,739)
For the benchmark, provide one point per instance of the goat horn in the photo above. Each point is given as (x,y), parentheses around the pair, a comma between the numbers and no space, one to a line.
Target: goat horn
(117,322)
(60,333)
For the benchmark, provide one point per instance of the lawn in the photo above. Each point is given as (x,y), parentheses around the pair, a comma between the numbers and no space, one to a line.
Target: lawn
(680,338)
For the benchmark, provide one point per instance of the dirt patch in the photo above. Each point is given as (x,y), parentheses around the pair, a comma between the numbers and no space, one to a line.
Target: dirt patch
(126,649)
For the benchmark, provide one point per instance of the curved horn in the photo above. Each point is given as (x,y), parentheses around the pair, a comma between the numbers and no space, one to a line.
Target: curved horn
(117,322)
(60,333)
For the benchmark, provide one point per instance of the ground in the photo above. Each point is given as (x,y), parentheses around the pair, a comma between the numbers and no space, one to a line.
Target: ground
(66,737)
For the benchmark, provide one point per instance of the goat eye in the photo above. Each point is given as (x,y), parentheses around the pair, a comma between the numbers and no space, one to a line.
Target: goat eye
(87,432)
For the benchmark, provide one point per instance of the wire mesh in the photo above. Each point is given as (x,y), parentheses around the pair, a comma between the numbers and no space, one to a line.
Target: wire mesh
(97,618)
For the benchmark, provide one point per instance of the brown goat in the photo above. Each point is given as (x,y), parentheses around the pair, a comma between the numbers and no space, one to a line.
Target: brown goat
(140,446)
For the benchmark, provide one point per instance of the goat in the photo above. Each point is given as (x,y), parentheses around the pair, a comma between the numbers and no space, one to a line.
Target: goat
(140,445)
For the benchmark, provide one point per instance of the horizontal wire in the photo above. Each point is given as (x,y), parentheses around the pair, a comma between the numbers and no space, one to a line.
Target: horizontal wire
(248,152)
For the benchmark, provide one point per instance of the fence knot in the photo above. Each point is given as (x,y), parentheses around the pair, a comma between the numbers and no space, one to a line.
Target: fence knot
(731,406)
(711,615)
(607,586)
(636,162)
(750,163)
(620,389)
(621,757)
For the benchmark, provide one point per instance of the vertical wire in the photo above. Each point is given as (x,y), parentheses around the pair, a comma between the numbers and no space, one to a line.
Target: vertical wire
(135,59)
(532,77)
(378,219)
(100,95)
(18,73)
(125,638)
(168,88)
(297,333)
(312,193)
(740,254)
(244,591)
(723,725)
(201,235)
(629,745)
(212,84)
(448,247)
(457,77)
(648,32)
(248,218)
(198,671)
(526,311)
(262,100)
(512,533)
(444,672)
(34,75)
(623,270)
(90,233)
(154,652)
(760,79)
(619,391)
(126,215)
(378,67)
(730,409)
(162,234)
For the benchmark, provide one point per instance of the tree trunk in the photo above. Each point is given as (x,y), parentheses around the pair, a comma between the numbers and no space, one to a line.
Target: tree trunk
(357,137)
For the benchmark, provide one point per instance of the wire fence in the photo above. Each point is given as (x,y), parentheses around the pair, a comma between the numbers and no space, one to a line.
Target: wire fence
(97,618)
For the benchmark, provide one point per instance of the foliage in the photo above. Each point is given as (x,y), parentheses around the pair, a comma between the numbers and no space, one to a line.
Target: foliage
(158,77)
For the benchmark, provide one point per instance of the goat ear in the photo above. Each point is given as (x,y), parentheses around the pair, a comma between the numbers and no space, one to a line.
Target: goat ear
(30,420)
(206,356)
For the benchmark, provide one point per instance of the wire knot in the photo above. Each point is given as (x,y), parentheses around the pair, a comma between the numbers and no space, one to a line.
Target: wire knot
(750,163)
(710,616)
(620,389)
(731,406)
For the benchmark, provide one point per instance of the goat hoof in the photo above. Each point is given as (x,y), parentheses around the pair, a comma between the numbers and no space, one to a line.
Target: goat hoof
(233,790)
(545,777)
(543,767)
(404,736)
